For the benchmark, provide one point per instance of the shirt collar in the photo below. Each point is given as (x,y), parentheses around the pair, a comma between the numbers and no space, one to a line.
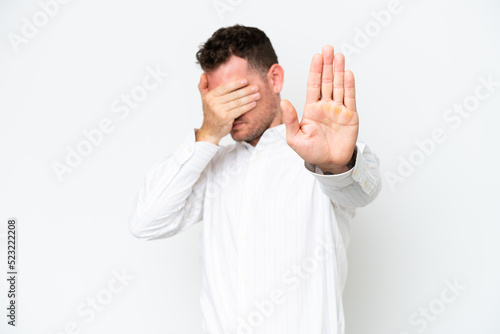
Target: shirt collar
(269,136)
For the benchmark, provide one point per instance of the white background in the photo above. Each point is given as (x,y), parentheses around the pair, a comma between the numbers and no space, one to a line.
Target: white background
(439,223)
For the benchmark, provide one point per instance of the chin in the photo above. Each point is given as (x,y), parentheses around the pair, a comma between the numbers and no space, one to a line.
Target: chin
(247,132)
(238,136)
(241,134)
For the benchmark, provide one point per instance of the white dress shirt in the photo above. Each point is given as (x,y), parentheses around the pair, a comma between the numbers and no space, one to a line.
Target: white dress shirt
(274,230)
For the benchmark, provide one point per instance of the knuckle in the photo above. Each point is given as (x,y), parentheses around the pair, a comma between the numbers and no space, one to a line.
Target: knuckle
(248,106)
(230,105)
(235,104)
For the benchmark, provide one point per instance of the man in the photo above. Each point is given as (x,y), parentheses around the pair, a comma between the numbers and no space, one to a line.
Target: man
(277,204)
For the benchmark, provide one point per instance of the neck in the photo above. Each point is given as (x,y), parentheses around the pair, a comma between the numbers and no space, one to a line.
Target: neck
(277,121)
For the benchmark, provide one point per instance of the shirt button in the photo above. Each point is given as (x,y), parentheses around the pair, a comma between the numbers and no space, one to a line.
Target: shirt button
(190,150)
(246,236)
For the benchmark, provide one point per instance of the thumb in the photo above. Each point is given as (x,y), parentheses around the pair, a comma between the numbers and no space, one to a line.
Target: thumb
(290,118)
(203,85)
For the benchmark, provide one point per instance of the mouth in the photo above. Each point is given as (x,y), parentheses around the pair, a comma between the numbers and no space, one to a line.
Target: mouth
(237,125)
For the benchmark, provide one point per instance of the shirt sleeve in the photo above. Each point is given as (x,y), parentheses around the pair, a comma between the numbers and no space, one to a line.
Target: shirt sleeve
(358,186)
(172,194)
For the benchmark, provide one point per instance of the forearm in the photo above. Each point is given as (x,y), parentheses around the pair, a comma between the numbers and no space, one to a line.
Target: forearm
(172,194)
(356,187)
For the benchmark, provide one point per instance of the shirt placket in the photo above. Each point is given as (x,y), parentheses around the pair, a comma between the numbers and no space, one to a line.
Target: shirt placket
(244,246)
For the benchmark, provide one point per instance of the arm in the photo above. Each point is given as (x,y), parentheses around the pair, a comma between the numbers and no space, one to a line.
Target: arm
(327,134)
(171,199)
(172,196)
(358,186)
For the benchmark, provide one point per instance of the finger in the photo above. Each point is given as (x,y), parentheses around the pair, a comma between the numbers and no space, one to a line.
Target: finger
(338,78)
(242,101)
(230,86)
(237,112)
(327,74)
(350,93)
(314,80)
(290,118)
(248,90)
(203,85)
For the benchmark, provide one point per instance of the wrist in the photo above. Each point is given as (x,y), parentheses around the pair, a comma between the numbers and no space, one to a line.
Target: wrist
(334,169)
(202,135)
(330,169)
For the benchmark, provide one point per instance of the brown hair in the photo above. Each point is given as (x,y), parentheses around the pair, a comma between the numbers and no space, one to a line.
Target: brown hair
(249,43)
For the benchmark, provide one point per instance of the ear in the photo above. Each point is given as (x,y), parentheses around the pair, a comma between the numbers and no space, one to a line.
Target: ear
(275,77)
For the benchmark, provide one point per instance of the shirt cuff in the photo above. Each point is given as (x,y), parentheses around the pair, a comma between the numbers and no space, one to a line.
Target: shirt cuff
(337,181)
(197,154)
